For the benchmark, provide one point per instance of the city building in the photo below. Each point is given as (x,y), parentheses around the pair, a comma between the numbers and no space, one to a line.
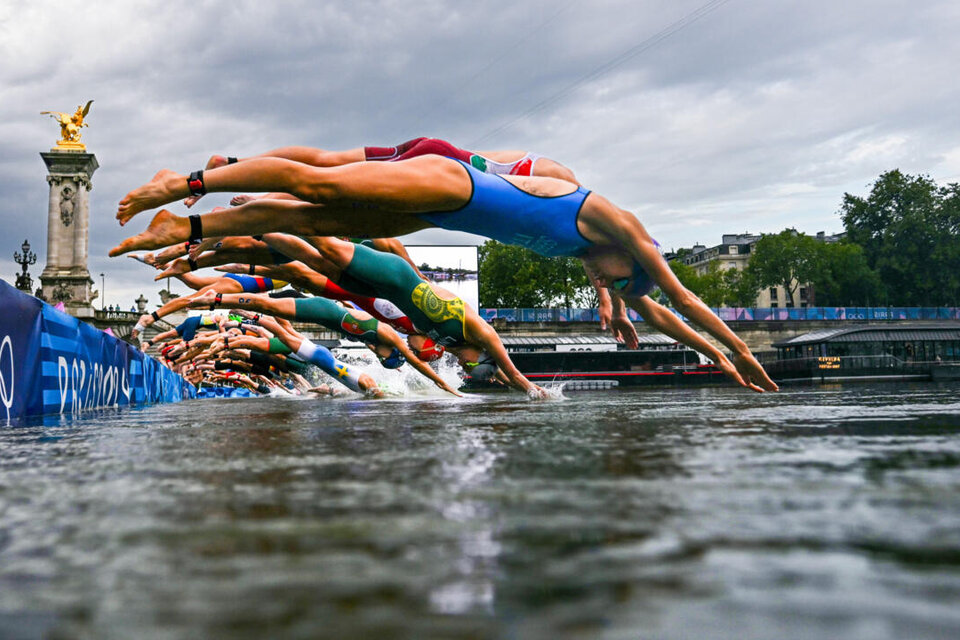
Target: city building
(733,252)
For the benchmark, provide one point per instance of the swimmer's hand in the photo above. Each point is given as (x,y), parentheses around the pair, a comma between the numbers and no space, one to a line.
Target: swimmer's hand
(625,332)
(752,373)
(446,387)
(537,393)
(606,313)
(323,389)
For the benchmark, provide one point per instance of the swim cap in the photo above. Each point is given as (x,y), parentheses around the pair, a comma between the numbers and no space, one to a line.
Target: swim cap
(394,361)
(430,351)
(639,283)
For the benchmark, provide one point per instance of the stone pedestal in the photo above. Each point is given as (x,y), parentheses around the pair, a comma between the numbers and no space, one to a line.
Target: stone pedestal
(65,277)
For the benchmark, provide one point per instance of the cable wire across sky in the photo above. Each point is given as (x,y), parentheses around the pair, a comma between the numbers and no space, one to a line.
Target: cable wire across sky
(605,68)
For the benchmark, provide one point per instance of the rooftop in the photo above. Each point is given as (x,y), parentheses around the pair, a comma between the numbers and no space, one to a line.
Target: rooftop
(877,333)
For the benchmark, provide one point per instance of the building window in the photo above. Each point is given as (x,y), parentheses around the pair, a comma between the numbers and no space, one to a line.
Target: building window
(731,265)
(733,249)
(774,305)
(773,293)
(803,292)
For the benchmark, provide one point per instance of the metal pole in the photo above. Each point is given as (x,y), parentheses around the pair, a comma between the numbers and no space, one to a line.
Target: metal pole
(103,292)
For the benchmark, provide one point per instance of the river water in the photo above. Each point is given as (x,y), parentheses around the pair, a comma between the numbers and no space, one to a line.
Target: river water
(818,512)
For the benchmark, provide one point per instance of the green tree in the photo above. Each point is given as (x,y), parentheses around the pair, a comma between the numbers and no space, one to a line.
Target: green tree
(711,286)
(909,229)
(517,277)
(565,284)
(788,258)
(717,287)
(741,288)
(843,277)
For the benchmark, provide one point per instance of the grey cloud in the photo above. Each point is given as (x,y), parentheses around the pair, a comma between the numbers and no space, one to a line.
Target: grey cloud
(755,117)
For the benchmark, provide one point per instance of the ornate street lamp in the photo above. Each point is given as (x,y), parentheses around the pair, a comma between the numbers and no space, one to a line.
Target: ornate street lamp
(24,259)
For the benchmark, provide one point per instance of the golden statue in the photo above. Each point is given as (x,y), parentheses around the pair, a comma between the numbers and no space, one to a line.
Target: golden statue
(70,126)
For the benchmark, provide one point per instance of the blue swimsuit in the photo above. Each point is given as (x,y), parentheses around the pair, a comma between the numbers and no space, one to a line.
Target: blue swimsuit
(500,210)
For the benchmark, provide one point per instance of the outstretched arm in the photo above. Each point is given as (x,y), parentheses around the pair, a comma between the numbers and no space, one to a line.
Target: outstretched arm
(662,319)
(638,242)
(284,307)
(387,335)
(487,337)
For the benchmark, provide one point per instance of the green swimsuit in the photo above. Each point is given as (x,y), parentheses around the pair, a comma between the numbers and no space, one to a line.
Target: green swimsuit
(329,314)
(395,280)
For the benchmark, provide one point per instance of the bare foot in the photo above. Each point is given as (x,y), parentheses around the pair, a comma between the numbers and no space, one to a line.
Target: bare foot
(236,201)
(204,299)
(165,229)
(146,259)
(178,267)
(165,187)
(213,163)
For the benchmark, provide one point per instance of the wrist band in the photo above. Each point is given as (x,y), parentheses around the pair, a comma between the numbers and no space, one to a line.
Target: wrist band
(231,160)
(196,229)
(155,316)
(216,301)
(195,183)
(192,263)
(253,270)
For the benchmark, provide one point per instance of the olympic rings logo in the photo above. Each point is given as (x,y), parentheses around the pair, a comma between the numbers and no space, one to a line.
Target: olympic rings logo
(5,397)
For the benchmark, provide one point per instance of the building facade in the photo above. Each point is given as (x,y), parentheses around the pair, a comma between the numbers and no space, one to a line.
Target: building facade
(734,252)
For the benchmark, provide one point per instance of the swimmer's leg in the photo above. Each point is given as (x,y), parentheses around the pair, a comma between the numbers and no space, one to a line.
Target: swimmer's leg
(428,183)
(265,216)
(281,307)
(323,358)
(389,275)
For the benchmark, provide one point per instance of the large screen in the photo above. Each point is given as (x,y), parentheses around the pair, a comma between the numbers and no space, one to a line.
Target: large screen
(452,267)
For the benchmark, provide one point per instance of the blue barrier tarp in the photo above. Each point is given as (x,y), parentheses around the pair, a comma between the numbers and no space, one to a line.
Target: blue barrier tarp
(51,362)
(739,314)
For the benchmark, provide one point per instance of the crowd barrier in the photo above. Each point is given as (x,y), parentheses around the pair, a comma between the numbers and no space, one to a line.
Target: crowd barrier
(51,363)
(740,314)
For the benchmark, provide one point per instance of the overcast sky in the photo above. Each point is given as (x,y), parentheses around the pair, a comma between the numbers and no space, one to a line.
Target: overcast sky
(702,117)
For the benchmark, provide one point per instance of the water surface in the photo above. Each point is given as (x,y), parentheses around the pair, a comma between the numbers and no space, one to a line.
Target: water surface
(818,512)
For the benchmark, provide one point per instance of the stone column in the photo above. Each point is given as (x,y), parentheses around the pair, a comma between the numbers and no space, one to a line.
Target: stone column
(66,277)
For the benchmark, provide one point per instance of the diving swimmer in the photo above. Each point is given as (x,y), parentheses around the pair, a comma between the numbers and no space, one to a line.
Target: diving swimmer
(550,216)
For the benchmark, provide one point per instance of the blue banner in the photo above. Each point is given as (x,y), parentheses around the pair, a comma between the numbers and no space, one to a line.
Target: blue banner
(739,314)
(51,362)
